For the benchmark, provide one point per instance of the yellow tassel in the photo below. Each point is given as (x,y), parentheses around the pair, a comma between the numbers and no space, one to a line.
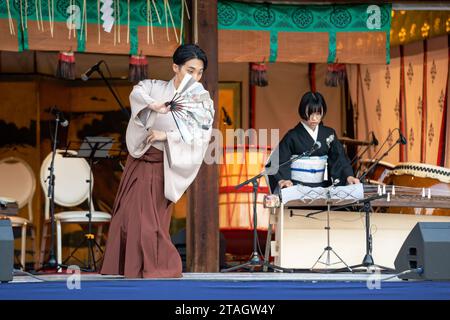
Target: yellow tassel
(156,10)
(171,19)
(11,23)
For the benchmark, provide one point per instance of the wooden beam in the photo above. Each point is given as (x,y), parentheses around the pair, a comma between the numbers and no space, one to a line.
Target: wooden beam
(202,237)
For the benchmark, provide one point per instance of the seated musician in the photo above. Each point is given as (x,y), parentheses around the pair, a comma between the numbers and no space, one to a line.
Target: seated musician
(326,164)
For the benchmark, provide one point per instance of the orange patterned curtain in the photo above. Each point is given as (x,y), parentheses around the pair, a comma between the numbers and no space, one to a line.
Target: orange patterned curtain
(410,93)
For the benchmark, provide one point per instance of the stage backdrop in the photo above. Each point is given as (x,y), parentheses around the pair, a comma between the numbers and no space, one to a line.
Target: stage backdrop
(410,94)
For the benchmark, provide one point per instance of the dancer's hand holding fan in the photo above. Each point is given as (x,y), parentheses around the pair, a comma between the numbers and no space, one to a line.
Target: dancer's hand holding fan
(192,109)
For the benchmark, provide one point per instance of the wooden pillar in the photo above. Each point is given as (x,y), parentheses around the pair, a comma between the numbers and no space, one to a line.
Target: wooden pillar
(202,240)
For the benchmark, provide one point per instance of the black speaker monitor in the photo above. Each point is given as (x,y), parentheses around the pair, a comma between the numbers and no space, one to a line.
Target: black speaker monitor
(427,251)
(6,250)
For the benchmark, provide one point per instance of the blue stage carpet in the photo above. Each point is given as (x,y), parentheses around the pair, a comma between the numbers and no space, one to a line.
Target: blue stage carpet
(225,290)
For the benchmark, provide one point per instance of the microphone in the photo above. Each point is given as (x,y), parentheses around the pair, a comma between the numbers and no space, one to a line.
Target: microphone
(402,138)
(85,76)
(374,139)
(59,114)
(226,117)
(316,146)
(329,140)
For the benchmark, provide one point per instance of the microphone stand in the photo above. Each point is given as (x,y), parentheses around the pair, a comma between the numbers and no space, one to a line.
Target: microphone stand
(368,261)
(368,170)
(358,157)
(52,262)
(328,250)
(376,153)
(100,72)
(255,260)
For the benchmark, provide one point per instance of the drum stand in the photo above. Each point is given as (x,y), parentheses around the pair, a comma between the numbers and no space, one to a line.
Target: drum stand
(328,250)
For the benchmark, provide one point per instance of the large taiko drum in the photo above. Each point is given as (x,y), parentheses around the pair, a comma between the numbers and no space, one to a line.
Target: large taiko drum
(379,172)
(419,175)
(240,163)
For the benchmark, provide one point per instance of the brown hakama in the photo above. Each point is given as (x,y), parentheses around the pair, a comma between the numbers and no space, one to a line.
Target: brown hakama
(139,244)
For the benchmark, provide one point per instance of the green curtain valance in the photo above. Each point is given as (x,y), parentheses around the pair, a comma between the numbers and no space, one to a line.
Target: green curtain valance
(276,18)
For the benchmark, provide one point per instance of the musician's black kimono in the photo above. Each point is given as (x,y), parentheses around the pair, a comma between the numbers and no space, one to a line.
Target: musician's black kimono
(298,140)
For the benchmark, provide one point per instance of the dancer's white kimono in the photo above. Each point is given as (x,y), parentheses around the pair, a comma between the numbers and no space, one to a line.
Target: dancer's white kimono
(183,153)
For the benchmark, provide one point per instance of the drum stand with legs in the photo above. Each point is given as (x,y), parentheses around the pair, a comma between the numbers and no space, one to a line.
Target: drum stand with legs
(328,250)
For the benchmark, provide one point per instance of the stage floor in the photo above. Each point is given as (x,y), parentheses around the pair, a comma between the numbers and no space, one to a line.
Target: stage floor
(232,276)
(225,286)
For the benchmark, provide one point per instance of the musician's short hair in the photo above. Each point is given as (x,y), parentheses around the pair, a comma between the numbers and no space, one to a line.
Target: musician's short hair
(187,52)
(310,103)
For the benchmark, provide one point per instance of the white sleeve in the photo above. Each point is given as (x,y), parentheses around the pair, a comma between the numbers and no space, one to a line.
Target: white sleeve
(182,161)
(140,99)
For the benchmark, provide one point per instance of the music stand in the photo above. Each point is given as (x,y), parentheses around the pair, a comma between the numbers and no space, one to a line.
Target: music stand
(91,148)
